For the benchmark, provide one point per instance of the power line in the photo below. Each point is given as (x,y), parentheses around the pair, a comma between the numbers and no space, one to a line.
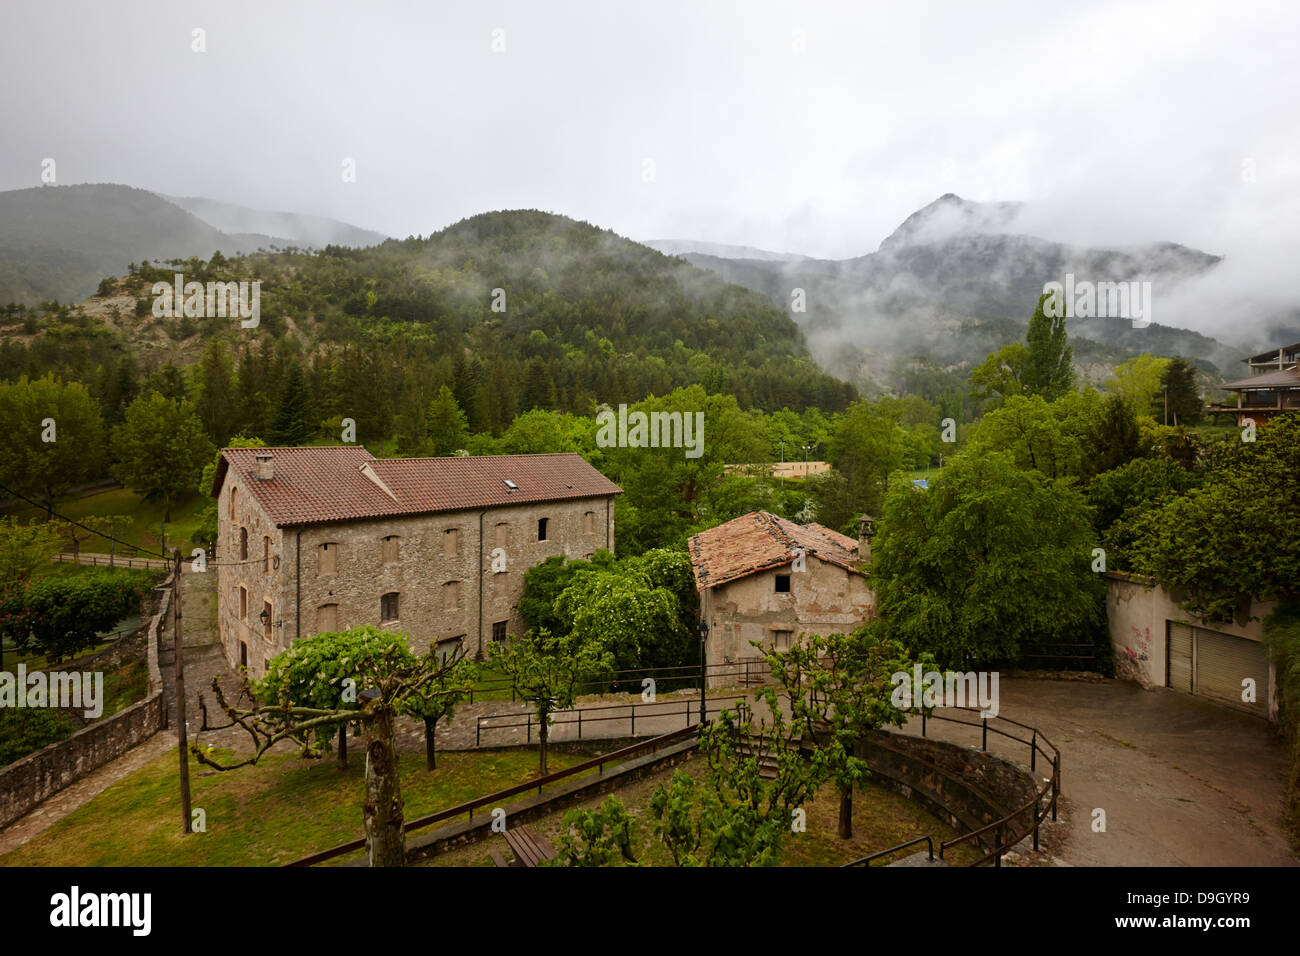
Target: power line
(62,517)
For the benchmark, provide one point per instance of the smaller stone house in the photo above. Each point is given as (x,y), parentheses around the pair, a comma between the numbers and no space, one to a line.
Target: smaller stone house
(765,579)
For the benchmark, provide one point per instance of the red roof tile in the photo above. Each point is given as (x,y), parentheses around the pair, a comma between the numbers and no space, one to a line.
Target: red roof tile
(315,485)
(759,541)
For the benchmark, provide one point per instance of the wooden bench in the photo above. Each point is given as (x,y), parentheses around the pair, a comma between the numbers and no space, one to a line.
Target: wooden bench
(529,847)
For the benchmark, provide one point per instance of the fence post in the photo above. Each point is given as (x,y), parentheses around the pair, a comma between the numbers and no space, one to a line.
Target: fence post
(1038,819)
(997,860)
(633,720)
(478,726)
(1033,760)
(984,731)
(528,728)
(922,723)
(579,723)
(1056,782)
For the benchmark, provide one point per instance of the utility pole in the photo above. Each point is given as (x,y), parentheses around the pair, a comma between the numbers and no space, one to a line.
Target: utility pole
(783,466)
(181,742)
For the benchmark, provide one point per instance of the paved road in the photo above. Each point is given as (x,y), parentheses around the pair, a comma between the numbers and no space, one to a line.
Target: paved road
(1183,782)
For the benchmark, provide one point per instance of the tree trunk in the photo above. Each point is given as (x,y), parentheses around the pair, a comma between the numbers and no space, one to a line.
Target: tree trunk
(343,746)
(846,813)
(430,758)
(385,834)
(543,735)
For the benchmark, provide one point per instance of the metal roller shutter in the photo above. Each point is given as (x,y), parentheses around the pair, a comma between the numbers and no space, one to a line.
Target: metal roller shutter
(1178,659)
(1223,662)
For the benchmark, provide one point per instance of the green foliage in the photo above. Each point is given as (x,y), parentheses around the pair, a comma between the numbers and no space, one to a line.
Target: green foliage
(1120,496)
(741,814)
(1235,535)
(445,423)
(1139,381)
(988,561)
(47,408)
(866,445)
(206,533)
(1001,375)
(24,548)
(1179,381)
(1049,369)
(59,616)
(602,837)
(26,731)
(1282,635)
(161,448)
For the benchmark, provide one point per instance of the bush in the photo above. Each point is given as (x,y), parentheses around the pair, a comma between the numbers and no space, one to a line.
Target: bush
(26,731)
(59,616)
(1282,635)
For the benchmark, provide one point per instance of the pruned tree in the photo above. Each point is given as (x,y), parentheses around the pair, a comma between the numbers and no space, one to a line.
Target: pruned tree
(546,671)
(438,699)
(387,677)
(757,776)
(600,837)
(838,692)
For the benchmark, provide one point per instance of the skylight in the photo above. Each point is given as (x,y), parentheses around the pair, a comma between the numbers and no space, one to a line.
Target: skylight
(510,484)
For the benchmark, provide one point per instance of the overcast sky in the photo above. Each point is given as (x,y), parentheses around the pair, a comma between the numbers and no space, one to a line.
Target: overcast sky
(802,127)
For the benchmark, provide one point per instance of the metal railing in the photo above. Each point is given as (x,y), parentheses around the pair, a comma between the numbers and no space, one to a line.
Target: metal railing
(751,671)
(111,560)
(495,799)
(1004,826)
(866,860)
(687,707)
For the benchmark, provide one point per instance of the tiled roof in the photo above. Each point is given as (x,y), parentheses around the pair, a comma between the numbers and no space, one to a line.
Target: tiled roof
(314,485)
(759,541)
(1284,378)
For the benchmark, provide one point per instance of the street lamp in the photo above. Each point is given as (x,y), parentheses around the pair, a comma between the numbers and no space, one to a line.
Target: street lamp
(782,466)
(704,671)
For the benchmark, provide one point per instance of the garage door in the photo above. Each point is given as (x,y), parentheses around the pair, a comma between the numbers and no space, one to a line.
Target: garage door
(1223,662)
(1213,664)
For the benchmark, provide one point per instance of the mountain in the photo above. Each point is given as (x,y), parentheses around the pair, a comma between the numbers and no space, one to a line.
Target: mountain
(58,242)
(955,278)
(300,230)
(681,247)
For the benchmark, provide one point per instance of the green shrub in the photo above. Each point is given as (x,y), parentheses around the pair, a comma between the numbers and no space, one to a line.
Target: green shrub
(26,731)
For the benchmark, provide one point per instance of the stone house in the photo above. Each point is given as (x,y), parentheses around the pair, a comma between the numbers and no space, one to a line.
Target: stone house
(318,539)
(763,578)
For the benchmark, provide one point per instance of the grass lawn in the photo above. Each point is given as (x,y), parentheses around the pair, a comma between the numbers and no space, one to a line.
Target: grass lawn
(881,819)
(263,815)
(147,517)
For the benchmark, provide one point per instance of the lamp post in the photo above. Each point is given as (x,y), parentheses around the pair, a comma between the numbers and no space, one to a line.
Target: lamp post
(782,466)
(806,449)
(704,671)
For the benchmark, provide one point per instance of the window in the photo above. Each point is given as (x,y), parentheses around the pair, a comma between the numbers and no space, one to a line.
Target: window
(541,529)
(449,647)
(502,535)
(243,604)
(781,640)
(234,504)
(266,554)
(327,561)
(266,619)
(589,522)
(327,618)
(783,584)
(243,544)
(390,549)
(499,630)
(388,607)
(451,595)
(243,654)
(450,543)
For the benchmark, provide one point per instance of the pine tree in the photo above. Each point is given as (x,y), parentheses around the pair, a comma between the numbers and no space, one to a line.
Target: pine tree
(292,423)
(215,404)
(1184,396)
(446,423)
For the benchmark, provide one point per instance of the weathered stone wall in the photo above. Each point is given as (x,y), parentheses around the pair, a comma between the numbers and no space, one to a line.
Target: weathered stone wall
(26,782)
(823,599)
(420,576)
(967,788)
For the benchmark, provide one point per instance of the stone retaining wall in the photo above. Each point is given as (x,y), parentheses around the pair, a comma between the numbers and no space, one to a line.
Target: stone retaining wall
(26,782)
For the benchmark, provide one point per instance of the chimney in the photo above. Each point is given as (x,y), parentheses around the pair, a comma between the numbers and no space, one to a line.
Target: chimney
(866,531)
(265,467)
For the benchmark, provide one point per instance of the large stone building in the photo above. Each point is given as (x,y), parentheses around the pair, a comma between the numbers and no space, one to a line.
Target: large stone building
(763,578)
(325,539)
